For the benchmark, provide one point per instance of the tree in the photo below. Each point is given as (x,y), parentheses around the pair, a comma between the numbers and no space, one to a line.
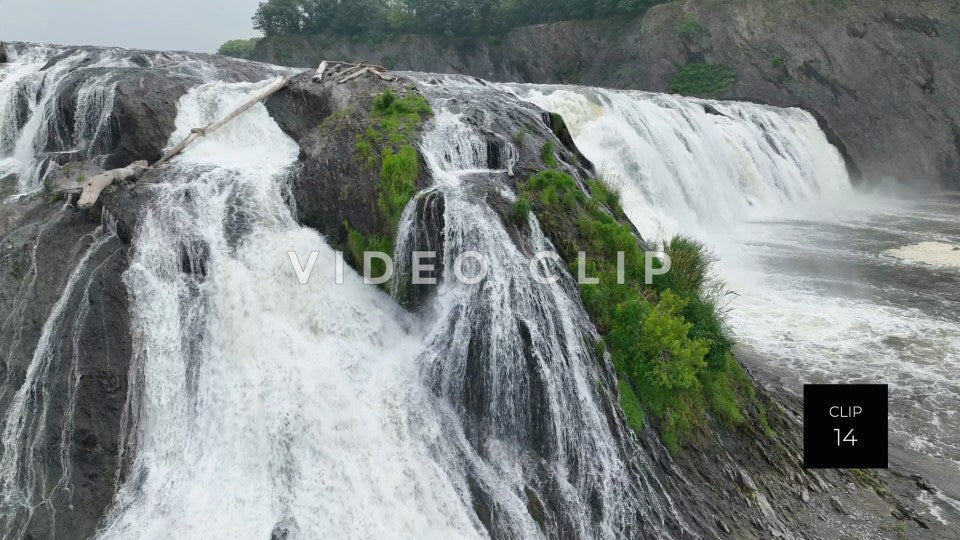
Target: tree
(238,48)
(279,17)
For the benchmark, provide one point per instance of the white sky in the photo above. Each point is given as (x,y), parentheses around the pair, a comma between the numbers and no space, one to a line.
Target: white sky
(190,25)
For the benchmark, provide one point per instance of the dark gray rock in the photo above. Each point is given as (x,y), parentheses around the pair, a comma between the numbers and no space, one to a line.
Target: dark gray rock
(43,249)
(334,186)
(144,106)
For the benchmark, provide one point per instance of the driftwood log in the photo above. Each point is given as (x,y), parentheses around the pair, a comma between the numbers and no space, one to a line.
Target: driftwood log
(353,70)
(95,185)
(196,133)
(92,189)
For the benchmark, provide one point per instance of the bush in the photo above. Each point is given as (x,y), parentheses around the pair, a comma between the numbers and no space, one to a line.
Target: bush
(239,48)
(689,28)
(548,156)
(703,80)
(668,343)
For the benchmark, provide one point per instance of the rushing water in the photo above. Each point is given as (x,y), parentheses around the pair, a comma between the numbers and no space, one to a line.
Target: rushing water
(515,359)
(259,405)
(267,405)
(819,297)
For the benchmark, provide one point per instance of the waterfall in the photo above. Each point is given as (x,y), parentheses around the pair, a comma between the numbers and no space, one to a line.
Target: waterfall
(263,405)
(691,165)
(515,359)
(56,104)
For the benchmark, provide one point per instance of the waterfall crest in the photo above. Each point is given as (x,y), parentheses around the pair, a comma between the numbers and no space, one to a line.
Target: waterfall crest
(690,165)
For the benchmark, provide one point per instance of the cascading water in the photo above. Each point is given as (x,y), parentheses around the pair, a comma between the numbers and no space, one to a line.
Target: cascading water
(36,88)
(258,406)
(819,298)
(515,359)
(264,405)
(689,165)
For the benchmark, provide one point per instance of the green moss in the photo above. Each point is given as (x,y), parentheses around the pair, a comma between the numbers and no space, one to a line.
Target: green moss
(386,147)
(398,177)
(689,28)
(666,340)
(358,244)
(548,155)
(703,80)
(521,209)
(778,62)
(632,410)
(394,124)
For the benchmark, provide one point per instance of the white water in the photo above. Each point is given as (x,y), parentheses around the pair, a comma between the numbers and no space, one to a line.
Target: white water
(32,124)
(820,296)
(264,401)
(517,413)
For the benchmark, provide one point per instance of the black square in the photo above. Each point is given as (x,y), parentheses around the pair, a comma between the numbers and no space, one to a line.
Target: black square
(845,426)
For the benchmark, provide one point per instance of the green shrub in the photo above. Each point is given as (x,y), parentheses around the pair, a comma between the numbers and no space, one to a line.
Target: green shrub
(689,27)
(703,80)
(398,182)
(239,48)
(548,156)
(667,341)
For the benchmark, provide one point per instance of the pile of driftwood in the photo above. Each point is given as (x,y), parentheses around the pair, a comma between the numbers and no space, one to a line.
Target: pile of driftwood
(342,72)
(348,71)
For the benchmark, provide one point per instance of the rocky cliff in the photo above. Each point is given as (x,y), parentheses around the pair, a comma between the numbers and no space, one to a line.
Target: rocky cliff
(882,77)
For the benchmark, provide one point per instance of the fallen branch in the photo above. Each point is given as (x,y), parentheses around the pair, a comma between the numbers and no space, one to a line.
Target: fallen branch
(363,64)
(350,71)
(92,188)
(196,133)
(355,75)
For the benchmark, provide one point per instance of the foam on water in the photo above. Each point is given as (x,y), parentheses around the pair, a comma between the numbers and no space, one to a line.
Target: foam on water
(821,292)
(936,253)
(262,404)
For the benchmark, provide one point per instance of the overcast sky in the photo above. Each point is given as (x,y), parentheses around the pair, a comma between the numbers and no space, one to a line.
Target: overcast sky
(190,25)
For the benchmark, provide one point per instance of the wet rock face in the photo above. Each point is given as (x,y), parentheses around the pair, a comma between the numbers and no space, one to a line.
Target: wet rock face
(882,76)
(59,271)
(140,100)
(333,184)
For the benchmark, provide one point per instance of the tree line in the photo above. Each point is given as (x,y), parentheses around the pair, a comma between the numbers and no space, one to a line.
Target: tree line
(448,17)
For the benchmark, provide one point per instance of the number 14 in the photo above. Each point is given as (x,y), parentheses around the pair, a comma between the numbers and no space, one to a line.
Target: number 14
(846,438)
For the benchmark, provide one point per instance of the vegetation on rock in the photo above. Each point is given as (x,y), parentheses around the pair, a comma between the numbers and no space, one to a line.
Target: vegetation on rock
(666,339)
(703,80)
(388,146)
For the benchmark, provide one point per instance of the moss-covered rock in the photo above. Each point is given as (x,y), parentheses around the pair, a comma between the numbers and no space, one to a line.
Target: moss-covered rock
(359,162)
